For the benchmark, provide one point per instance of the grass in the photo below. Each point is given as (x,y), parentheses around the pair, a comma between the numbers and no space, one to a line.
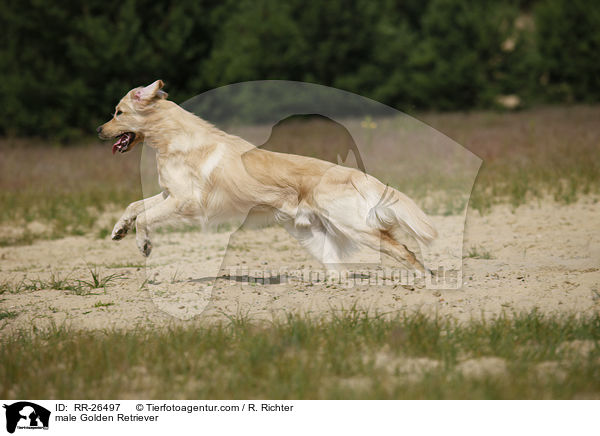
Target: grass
(530,154)
(98,281)
(7,286)
(6,314)
(345,355)
(103,233)
(50,192)
(60,282)
(479,253)
(101,304)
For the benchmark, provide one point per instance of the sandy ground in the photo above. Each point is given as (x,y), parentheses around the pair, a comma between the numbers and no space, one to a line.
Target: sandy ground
(541,255)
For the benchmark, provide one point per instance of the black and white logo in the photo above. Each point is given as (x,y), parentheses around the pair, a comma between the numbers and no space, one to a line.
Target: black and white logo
(26,415)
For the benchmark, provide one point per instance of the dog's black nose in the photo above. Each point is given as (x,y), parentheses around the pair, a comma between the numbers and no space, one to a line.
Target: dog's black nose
(99,129)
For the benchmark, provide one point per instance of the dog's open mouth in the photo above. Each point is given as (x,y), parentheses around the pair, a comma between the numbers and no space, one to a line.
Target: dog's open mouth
(123,141)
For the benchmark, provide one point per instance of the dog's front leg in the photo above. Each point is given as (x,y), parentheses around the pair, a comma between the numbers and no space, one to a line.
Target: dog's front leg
(132,211)
(151,217)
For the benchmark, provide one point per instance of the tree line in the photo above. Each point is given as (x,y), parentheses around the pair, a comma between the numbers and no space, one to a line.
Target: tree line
(64,64)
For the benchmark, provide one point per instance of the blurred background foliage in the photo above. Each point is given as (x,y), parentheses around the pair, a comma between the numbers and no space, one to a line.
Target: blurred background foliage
(65,64)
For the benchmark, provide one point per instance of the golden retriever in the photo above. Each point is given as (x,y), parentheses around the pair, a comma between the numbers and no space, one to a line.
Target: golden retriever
(212,176)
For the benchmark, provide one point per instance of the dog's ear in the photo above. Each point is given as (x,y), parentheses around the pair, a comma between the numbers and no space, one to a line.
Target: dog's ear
(150,92)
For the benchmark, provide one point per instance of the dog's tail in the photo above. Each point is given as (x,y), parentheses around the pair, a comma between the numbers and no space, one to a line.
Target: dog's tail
(395,210)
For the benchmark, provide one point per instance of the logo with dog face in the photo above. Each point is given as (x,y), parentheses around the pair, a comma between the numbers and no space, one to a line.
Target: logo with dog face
(26,415)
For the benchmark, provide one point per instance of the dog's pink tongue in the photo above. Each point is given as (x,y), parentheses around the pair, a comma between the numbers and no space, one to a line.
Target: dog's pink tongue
(117,144)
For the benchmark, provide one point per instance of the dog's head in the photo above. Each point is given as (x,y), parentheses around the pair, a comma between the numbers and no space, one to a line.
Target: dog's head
(130,120)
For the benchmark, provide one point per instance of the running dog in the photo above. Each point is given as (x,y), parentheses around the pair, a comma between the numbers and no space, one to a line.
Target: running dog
(209,175)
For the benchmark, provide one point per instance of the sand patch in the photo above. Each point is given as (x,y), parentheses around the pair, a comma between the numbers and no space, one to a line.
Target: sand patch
(543,255)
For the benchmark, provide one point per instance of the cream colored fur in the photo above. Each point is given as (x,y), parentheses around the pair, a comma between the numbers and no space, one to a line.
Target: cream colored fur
(210,175)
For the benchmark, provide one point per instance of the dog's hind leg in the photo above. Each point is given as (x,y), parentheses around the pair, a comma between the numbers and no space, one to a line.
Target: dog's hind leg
(400,252)
(387,244)
(132,211)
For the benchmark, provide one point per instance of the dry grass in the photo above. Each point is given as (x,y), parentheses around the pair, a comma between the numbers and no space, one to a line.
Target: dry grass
(343,356)
(529,154)
(49,192)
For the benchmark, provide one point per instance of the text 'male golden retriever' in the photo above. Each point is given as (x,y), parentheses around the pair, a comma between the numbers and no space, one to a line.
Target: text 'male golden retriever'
(211,176)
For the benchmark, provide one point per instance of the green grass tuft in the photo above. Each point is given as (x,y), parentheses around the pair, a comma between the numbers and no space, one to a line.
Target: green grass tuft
(6,314)
(101,304)
(479,253)
(98,281)
(62,283)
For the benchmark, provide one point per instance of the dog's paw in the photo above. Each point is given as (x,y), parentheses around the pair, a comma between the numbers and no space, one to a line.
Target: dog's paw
(119,231)
(119,234)
(145,246)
